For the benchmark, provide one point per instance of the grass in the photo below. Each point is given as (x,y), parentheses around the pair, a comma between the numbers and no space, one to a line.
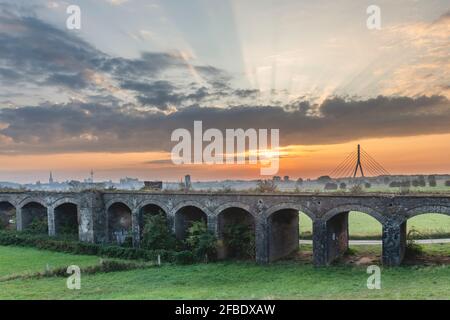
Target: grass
(230,280)
(363,226)
(19,260)
(283,280)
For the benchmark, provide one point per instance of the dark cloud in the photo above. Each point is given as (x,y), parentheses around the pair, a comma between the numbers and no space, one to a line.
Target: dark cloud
(72,81)
(95,127)
(33,51)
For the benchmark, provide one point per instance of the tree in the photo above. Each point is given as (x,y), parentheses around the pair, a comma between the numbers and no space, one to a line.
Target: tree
(240,240)
(156,234)
(201,241)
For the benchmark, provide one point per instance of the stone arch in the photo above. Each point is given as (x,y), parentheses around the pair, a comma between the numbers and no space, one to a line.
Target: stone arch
(119,222)
(8,215)
(150,207)
(354,207)
(283,228)
(445,210)
(235,204)
(67,216)
(290,206)
(238,216)
(337,227)
(28,200)
(158,203)
(122,200)
(190,203)
(185,214)
(34,210)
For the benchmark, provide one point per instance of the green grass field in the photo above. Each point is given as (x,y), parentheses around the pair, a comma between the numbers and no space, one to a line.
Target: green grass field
(231,280)
(18,260)
(363,226)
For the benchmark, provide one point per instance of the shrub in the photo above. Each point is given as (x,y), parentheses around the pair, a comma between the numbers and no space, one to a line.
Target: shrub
(37,226)
(240,240)
(184,257)
(447,183)
(331,186)
(265,186)
(156,234)
(356,189)
(412,249)
(202,242)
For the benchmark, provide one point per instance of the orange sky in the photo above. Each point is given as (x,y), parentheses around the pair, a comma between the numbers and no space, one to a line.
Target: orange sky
(419,154)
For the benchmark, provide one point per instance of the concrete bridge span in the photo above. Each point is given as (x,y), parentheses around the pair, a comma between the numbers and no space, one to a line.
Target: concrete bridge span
(104,217)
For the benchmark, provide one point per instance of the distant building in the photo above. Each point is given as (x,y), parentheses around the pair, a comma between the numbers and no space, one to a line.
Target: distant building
(50,179)
(187,181)
(153,185)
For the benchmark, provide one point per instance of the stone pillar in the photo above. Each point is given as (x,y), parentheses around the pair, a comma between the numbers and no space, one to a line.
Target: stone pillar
(320,248)
(51,221)
(283,233)
(19,221)
(394,242)
(213,225)
(135,228)
(337,233)
(330,239)
(261,241)
(93,218)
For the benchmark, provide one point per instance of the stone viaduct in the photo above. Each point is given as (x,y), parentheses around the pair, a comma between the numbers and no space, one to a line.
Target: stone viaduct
(105,217)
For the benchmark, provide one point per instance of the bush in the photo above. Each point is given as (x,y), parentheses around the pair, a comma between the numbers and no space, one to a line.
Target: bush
(156,234)
(201,241)
(240,240)
(331,186)
(184,257)
(356,189)
(412,249)
(75,247)
(37,226)
(265,186)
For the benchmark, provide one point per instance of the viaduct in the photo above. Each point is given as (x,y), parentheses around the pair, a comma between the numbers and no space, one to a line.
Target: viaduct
(106,217)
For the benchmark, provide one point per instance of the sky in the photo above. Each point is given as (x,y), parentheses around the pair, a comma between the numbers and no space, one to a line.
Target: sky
(107,97)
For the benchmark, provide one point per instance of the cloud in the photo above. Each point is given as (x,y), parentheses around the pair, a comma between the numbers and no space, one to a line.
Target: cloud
(424,48)
(78,127)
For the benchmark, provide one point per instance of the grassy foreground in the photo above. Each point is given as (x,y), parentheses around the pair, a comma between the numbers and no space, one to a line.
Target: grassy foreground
(19,260)
(233,280)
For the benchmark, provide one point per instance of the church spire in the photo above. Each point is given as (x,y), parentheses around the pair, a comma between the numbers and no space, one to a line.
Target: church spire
(50,179)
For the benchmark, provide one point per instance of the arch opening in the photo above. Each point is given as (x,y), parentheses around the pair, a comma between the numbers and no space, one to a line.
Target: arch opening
(290,230)
(185,217)
(426,238)
(67,220)
(147,211)
(354,236)
(34,218)
(236,231)
(119,223)
(7,216)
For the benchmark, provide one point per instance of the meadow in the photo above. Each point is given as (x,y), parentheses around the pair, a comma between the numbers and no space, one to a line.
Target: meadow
(228,280)
(295,278)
